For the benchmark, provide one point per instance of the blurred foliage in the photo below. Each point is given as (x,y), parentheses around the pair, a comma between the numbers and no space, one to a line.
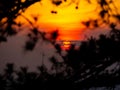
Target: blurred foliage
(82,68)
(9,10)
(12,8)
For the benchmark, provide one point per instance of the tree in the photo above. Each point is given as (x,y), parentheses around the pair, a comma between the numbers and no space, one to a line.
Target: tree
(86,64)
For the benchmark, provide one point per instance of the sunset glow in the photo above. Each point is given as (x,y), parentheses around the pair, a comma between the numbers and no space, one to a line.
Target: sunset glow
(66,19)
(66,45)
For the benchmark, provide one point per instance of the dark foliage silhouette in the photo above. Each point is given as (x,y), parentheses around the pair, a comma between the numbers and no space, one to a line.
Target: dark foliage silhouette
(82,68)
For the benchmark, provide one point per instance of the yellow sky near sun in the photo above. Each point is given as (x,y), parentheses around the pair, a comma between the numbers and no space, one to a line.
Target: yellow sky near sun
(67,19)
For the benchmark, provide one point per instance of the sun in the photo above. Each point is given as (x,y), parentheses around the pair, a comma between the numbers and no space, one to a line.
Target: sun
(66,45)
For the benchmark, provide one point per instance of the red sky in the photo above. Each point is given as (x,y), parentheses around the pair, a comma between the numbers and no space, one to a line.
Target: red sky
(67,20)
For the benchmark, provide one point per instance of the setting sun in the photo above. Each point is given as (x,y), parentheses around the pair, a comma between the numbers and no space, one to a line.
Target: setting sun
(66,45)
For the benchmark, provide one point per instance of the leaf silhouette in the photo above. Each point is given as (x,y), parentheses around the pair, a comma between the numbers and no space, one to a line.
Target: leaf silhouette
(3,39)
(30,45)
(57,2)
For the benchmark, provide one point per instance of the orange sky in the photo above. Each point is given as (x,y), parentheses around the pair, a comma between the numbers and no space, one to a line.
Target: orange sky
(67,20)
